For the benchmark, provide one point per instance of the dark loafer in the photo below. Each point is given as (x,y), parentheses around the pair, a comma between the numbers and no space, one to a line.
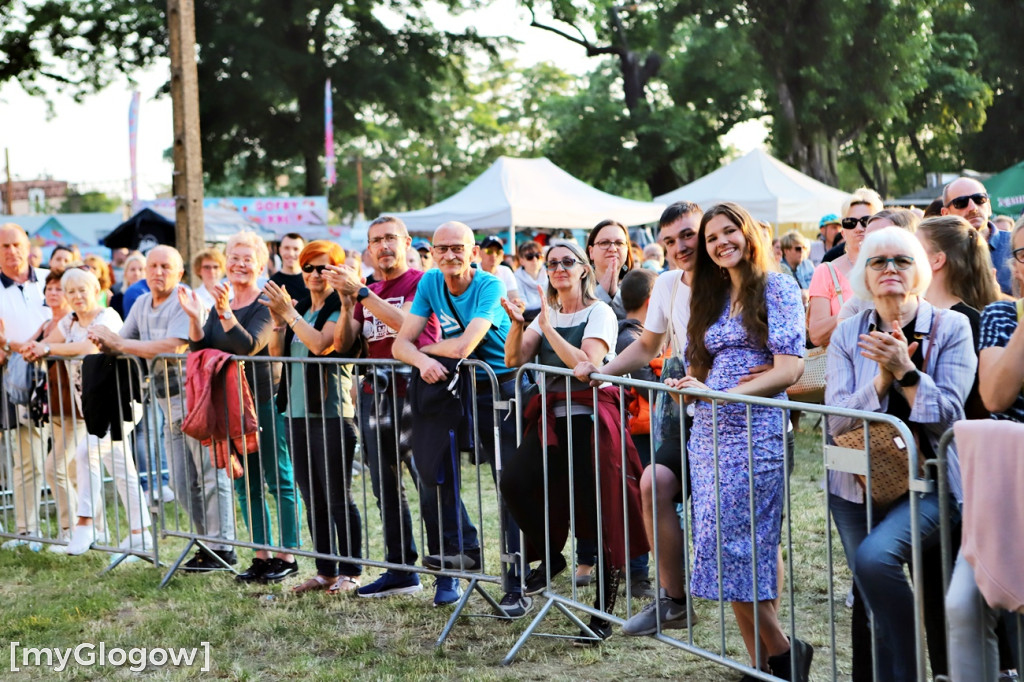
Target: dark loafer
(279,569)
(255,572)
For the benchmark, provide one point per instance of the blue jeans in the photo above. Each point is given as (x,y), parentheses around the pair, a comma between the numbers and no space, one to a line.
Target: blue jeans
(878,568)
(141,442)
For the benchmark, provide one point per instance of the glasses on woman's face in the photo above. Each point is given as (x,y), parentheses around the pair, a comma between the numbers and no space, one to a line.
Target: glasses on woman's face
(566,264)
(1018,254)
(852,223)
(530,256)
(310,269)
(607,244)
(880,263)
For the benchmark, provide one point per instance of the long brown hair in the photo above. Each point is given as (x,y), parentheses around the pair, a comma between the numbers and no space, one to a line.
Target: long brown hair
(711,286)
(968,263)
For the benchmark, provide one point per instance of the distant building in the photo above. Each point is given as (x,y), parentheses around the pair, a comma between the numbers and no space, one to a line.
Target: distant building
(34,197)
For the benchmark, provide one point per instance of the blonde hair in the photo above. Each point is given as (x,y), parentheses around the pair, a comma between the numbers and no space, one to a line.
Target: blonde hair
(252,240)
(864,195)
(210,253)
(793,238)
(73,276)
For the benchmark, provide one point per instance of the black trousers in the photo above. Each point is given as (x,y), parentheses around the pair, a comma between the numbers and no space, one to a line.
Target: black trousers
(322,452)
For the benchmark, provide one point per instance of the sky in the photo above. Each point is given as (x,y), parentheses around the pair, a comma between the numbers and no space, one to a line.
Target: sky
(87,143)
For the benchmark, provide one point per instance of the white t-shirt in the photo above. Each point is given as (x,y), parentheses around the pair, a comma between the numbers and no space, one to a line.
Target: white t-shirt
(508,278)
(601,323)
(74,332)
(658,308)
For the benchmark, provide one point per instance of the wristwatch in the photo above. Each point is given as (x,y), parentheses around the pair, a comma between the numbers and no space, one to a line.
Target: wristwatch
(46,351)
(226,315)
(362,293)
(910,378)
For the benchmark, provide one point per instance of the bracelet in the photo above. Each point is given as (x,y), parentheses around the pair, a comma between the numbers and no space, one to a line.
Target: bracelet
(280,329)
(294,320)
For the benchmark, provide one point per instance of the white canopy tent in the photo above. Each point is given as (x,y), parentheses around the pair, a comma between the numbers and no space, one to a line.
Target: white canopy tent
(529,193)
(768,188)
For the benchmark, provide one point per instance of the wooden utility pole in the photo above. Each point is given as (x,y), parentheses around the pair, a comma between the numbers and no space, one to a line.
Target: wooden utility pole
(188,159)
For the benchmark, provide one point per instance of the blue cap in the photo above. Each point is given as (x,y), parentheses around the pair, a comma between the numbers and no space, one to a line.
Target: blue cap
(420,244)
(830,219)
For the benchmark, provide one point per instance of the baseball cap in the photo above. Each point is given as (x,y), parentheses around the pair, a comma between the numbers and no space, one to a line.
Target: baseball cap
(492,243)
(830,219)
(421,244)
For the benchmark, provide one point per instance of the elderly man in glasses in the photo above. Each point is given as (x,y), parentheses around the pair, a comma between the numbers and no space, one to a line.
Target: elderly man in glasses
(467,301)
(967,198)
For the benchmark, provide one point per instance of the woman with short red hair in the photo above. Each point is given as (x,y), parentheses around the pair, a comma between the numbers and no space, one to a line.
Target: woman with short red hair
(316,400)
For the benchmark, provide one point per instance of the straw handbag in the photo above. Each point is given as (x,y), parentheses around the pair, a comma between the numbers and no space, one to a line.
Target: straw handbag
(811,386)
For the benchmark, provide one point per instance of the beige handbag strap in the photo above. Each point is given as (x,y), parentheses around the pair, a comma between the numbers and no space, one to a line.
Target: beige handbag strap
(835,283)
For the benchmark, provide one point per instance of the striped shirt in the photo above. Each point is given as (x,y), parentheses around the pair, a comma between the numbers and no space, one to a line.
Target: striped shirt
(998,323)
(944,386)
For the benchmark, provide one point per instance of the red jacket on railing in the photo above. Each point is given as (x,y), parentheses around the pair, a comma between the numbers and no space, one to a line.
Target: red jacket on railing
(610,458)
(220,406)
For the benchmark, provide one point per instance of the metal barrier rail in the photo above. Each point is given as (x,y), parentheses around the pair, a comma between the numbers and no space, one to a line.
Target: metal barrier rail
(1009,627)
(49,460)
(834,458)
(382,414)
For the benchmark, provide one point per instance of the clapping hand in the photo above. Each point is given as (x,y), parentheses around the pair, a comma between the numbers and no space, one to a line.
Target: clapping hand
(190,303)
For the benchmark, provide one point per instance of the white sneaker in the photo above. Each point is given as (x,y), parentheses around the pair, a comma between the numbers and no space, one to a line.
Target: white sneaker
(23,541)
(141,542)
(166,494)
(63,537)
(83,538)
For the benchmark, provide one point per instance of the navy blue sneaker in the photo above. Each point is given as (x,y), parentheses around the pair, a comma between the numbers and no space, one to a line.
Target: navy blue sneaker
(391,583)
(446,591)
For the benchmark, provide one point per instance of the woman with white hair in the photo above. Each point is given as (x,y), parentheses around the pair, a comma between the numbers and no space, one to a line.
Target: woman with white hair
(908,359)
(71,339)
(241,325)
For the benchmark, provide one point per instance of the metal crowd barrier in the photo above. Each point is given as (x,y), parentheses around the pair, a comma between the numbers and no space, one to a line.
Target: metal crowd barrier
(44,447)
(358,539)
(1010,626)
(564,597)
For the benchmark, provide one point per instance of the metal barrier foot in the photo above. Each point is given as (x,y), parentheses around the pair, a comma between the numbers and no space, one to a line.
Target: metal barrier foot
(178,562)
(461,604)
(514,651)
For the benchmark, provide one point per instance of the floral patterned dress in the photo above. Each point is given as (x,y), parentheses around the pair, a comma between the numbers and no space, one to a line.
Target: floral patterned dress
(733,354)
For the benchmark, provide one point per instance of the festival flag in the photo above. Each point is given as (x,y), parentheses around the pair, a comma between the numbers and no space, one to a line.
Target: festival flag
(331,175)
(133,135)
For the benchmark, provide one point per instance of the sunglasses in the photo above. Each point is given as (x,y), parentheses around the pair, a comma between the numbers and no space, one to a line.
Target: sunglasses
(852,223)
(533,255)
(1018,255)
(960,203)
(309,269)
(565,263)
(881,262)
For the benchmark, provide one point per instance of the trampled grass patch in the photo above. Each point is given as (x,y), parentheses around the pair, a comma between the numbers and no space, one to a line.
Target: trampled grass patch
(266,633)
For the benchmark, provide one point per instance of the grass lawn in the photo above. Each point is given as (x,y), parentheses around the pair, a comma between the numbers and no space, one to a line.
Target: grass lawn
(265,633)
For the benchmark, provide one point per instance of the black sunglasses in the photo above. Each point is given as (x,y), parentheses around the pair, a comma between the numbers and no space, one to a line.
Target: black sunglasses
(533,255)
(308,269)
(852,223)
(1018,254)
(960,203)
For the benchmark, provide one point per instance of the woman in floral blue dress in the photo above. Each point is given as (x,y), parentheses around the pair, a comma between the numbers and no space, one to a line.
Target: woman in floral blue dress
(746,315)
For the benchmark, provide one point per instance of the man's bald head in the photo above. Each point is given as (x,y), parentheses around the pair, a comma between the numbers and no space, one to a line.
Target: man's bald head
(454,231)
(164,270)
(14,248)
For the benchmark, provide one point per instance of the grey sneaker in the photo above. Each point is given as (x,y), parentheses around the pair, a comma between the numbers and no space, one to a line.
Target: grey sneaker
(640,588)
(673,615)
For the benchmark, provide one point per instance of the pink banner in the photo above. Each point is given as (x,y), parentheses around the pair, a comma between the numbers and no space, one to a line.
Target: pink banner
(331,175)
(133,135)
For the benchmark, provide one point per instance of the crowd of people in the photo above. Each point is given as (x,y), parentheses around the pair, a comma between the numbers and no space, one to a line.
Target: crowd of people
(915,310)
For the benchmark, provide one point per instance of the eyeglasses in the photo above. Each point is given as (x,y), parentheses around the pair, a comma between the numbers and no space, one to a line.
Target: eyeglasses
(566,264)
(852,223)
(795,248)
(960,203)
(456,249)
(533,255)
(899,262)
(494,252)
(309,269)
(608,244)
(1018,254)
(208,266)
(388,239)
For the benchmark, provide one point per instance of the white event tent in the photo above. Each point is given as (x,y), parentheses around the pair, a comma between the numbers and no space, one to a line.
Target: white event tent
(768,188)
(529,193)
